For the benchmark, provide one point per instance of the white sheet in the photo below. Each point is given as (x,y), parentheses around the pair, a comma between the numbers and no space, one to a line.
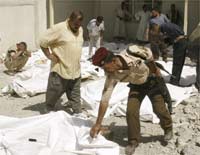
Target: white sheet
(55,133)
(91,95)
(34,77)
(34,80)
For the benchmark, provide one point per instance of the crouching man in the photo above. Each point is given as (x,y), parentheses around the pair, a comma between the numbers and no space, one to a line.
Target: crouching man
(142,75)
(16,57)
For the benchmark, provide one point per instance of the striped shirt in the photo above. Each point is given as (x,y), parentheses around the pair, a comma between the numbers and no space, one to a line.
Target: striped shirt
(67,46)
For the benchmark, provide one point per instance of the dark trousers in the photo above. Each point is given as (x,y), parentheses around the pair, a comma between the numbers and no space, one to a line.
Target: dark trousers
(179,54)
(198,71)
(57,86)
(136,95)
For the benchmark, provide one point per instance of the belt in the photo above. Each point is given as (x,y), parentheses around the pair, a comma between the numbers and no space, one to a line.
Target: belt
(179,38)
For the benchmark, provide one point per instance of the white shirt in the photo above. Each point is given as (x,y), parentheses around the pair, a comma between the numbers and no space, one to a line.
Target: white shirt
(93,29)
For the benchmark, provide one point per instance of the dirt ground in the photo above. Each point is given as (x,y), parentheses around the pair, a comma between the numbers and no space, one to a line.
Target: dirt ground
(186,122)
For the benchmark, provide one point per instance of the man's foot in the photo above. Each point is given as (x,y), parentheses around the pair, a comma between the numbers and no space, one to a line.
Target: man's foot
(130,149)
(174,82)
(164,59)
(48,109)
(168,135)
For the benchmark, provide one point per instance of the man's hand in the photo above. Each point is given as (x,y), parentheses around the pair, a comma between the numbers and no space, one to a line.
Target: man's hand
(53,58)
(95,130)
(158,73)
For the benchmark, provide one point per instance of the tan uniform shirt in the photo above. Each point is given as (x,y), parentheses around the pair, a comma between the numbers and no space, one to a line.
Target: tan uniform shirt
(67,46)
(137,73)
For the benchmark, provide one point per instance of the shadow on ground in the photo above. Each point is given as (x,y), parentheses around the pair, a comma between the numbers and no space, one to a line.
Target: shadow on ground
(119,135)
(41,108)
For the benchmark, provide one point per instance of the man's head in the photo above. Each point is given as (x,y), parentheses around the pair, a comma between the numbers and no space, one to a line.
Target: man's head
(155,12)
(99,20)
(75,20)
(105,59)
(124,5)
(144,7)
(173,7)
(22,46)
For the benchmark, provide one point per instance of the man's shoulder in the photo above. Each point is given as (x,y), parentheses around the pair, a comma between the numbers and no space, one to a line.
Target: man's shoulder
(92,21)
(59,25)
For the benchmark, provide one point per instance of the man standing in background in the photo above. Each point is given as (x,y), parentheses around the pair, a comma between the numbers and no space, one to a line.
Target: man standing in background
(174,15)
(62,44)
(95,31)
(157,42)
(176,35)
(142,16)
(194,48)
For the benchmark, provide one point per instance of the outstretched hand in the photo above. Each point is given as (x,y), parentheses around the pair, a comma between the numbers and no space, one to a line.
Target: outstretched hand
(95,130)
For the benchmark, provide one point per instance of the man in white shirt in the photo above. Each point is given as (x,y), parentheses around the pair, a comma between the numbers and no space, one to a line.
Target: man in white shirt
(95,31)
(142,16)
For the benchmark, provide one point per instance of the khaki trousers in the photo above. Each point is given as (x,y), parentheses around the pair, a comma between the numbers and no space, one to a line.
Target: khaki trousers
(136,95)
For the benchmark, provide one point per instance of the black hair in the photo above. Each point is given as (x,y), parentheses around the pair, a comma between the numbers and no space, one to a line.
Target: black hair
(109,57)
(156,9)
(76,14)
(100,19)
(24,43)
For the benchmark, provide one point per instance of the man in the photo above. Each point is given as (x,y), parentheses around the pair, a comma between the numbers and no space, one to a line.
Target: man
(176,35)
(95,31)
(62,44)
(142,16)
(129,66)
(158,17)
(16,57)
(122,16)
(157,42)
(194,48)
(174,15)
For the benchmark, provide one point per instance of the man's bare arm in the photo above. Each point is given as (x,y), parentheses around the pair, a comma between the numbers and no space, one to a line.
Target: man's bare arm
(50,55)
(96,128)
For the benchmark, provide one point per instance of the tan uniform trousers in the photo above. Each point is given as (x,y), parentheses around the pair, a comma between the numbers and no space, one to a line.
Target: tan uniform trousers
(136,95)
(158,46)
(16,64)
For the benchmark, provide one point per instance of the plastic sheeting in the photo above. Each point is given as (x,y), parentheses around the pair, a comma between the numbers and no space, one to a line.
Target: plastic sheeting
(91,95)
(34,77)
(56,133)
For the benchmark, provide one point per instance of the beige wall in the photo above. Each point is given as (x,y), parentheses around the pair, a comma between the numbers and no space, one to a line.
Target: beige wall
(91,9)
(193,14)
(25,20)
(63,8)
(193,11)
(22,20)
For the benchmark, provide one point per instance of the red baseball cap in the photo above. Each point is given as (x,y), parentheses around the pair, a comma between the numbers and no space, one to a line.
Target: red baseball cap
(101,56)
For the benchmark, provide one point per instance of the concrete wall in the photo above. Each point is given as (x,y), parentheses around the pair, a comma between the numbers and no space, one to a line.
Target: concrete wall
(193,14)
(63,8)
(25,20)
(193,11)
(21,20)
(91,9)
(106,8)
